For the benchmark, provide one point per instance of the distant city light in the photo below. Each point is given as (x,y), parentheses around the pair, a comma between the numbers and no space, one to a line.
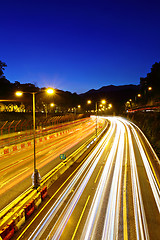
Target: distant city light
(110,105)
(149,88)
(103,101)
(52,104)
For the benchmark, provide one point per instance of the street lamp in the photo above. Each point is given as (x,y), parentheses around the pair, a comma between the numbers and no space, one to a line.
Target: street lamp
(149,88)
(35,174)
(52,104)
(110,106)
(102,102)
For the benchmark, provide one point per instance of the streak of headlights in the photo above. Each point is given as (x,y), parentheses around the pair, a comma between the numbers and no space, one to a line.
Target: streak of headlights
(38,232)
(114,164)
(61,222)
(139,213)
(110,224)
(151,177)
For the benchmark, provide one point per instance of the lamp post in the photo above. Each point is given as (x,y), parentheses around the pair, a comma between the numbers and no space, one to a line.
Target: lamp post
(35,173)
(102,102)
(96,116)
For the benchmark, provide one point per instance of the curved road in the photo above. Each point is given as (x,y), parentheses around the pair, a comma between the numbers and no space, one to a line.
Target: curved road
(16,168)
(114,193)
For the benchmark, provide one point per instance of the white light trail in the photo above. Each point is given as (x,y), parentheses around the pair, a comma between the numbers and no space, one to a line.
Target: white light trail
(111,224)
(38,232)
(56,232)
(126,142)
(152,180)
(140,218)
(113,207)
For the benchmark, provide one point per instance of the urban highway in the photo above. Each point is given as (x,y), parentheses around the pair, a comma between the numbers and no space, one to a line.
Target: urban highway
(114,193)
(16,167)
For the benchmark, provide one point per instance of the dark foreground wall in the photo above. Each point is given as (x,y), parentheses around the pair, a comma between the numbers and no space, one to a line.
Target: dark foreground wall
(150,125)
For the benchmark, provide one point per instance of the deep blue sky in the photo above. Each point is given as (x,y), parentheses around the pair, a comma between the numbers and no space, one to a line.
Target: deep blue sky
(79,45)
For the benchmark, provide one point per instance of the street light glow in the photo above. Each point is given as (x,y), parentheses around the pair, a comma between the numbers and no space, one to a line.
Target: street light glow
(50,90)
(103,101)
(35,173)
(149,88)
(19,93)
(52,104)
(89,101)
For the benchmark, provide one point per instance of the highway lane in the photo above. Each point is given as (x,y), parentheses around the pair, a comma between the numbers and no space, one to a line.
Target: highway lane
(19,137)
(112,194)
(16,168)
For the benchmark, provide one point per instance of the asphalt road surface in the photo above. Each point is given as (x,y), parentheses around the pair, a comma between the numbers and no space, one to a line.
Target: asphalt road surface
(114,193)
(16,168)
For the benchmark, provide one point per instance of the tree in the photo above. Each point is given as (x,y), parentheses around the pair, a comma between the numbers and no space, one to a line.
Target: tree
(6,86)
(2,67)
(152,80)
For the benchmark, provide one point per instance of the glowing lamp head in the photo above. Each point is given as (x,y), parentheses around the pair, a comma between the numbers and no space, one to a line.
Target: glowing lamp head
(110,105)
(89,102)
(149,88)
(103,101)
(50,90)
(52,104)
(19,93)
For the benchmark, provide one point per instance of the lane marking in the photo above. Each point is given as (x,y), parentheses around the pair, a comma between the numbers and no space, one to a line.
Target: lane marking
(125,230)
(49,200)
(145,150)
(98,174)
(80,218)
(11,179)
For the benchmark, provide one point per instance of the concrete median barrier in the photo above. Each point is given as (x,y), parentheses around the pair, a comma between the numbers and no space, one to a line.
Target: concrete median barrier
(8,231)
(23,145)
(29,209)
(37,200)
(19,219)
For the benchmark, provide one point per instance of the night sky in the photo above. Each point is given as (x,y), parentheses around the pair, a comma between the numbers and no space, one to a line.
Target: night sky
(79,45)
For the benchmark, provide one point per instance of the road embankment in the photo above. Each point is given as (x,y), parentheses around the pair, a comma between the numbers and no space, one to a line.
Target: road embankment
(149,123)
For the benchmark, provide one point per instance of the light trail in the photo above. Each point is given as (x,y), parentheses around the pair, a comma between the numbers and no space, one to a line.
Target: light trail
(67,211)
(108,206)
(149,171)
(110,225)
(38,232)
(148,167)
(140,218)
(62,144)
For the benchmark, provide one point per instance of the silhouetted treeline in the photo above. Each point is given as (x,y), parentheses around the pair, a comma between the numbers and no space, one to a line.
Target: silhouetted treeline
(152,80)
(116,95)
(63,99)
